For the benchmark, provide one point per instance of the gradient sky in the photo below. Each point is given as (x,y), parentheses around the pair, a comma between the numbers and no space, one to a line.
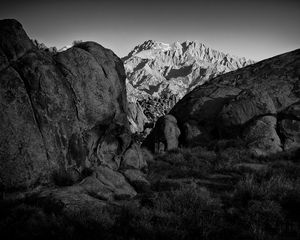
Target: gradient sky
(255,29)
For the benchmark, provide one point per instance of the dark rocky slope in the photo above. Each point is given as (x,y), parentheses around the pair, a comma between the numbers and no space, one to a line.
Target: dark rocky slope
(61,115)
(258,103)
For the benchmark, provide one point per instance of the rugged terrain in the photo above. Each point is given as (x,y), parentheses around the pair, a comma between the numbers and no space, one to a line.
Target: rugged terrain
(258,103)
(225,162)
(159,73)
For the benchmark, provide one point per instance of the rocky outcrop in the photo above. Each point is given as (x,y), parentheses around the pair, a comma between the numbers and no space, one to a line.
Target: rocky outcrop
(164,136)
(66,110)
(259,103)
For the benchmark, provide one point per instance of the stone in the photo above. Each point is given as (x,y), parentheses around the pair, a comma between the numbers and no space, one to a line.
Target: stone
(261,136)
(289,127)
(134,158)
(115,181)
(23,157)
(164,136)
(58,110)
(247,105)
(137,179)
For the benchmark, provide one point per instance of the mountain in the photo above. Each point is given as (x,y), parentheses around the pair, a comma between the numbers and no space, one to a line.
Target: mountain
(259,104)
(154,68)
(159,74)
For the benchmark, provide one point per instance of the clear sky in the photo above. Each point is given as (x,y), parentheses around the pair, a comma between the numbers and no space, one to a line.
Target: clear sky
(255,29)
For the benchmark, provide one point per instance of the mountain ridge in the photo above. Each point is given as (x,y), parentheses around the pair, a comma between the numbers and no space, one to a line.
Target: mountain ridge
(153,67)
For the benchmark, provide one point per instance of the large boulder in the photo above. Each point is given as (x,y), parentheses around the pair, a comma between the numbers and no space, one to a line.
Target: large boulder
(164,136)
(289,126)
(107,184)
(259,103)
(58,111)
(261,136)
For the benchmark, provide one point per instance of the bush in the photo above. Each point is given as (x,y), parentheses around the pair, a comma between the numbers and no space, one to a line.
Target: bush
(265,219)
(194,162)
(183,214)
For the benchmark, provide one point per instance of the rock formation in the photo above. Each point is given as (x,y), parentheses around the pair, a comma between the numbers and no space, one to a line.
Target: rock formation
(259,103)
(61,112)
(164,136)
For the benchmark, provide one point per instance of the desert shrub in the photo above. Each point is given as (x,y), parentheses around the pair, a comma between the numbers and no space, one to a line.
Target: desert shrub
(264,218)
(269,203)
(30,222)
(194,162)
(76,42)
(188,213)
(255,187)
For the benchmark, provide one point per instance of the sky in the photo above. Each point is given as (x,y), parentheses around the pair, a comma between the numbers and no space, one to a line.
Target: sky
(255,29)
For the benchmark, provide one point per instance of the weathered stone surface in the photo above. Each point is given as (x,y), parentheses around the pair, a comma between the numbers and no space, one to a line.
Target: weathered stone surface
(289,127)
(164,136)
(261,136)
(137,180)
(58,111)
(14,42)
(23,159)
(134,158)
(115,181)
(249,103)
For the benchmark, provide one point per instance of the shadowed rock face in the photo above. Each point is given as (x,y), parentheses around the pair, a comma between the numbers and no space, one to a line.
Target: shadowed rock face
(63,111)
(259,103)
(164,135)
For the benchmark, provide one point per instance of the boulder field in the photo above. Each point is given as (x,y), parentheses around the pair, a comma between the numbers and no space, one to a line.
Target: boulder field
(258,103)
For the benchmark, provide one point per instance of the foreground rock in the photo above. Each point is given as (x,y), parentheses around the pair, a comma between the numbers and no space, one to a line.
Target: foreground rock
(64,112)
(258,103)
